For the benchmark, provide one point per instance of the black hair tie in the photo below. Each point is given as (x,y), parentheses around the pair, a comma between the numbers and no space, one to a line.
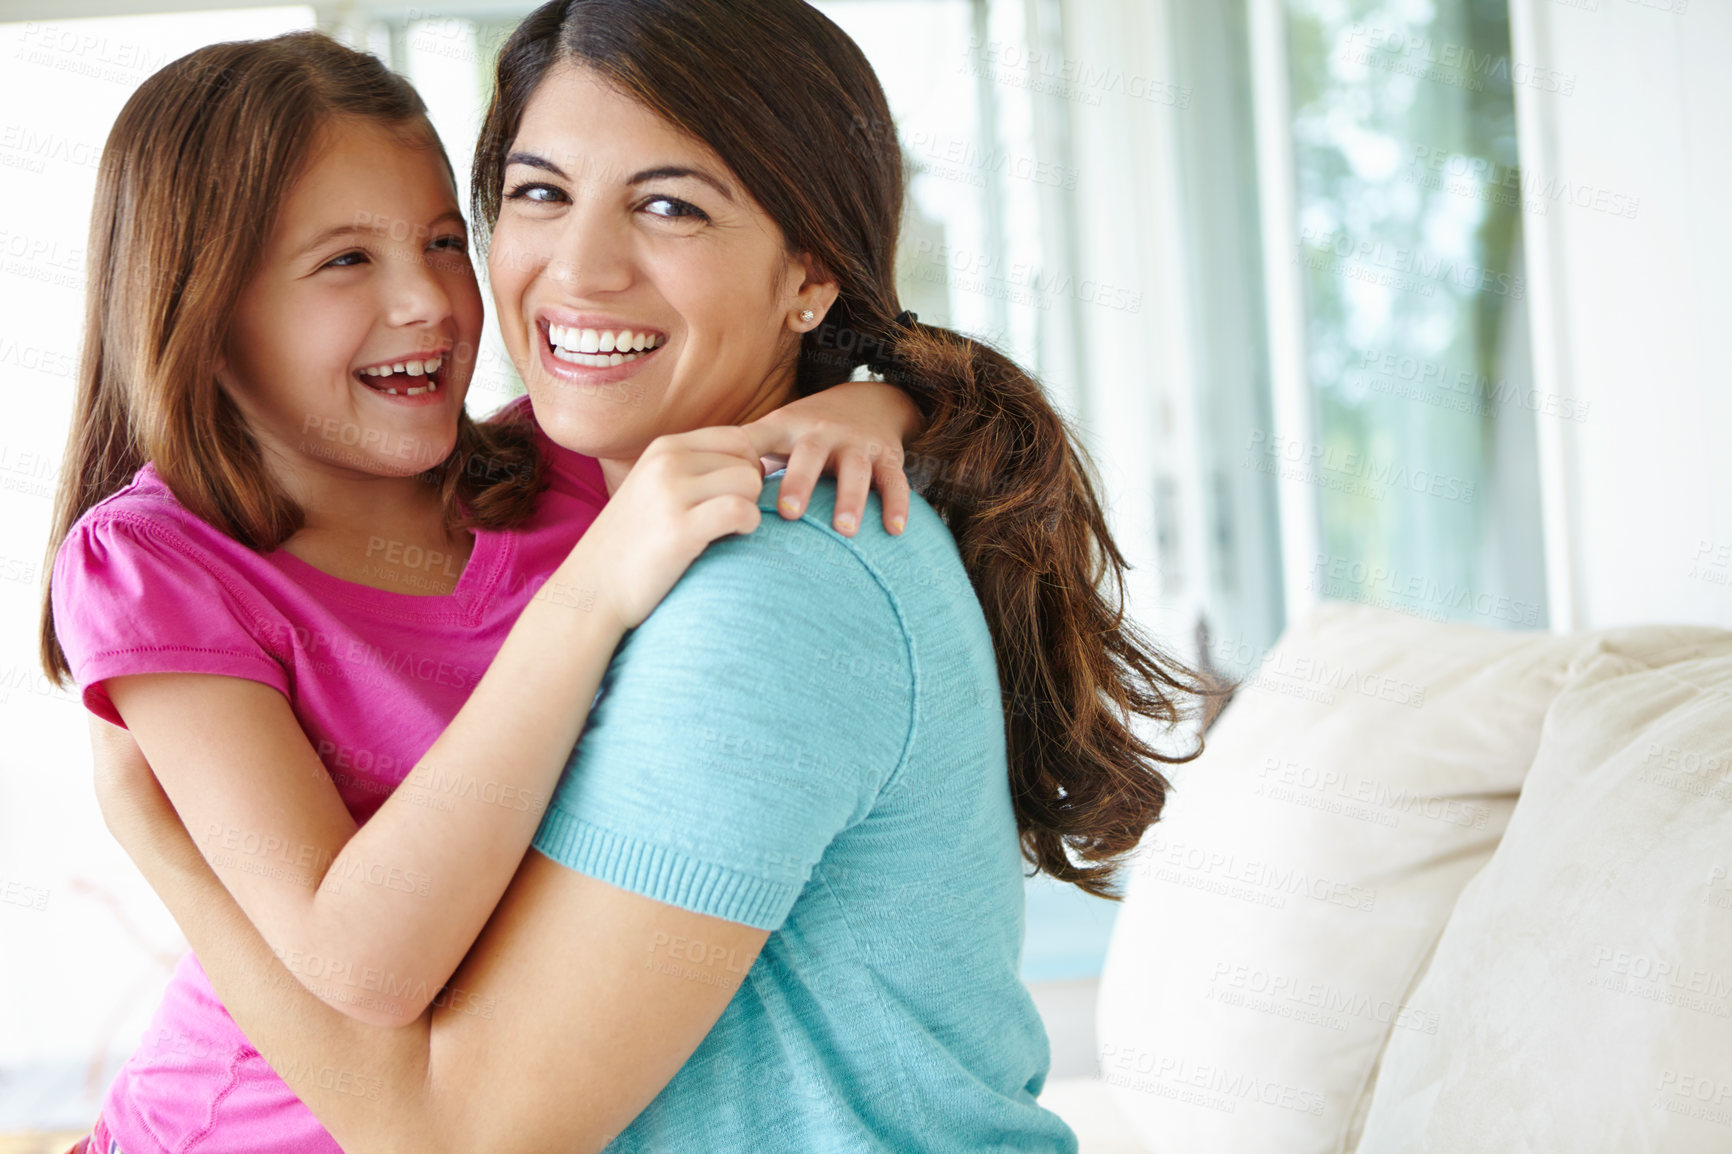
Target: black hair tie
(885,362)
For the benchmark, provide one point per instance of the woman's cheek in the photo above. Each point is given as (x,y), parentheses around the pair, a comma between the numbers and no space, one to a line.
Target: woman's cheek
(508,273)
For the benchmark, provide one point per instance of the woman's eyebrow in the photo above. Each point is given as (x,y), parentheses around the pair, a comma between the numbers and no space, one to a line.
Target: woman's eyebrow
(674,171)
(536,160)
(661,172)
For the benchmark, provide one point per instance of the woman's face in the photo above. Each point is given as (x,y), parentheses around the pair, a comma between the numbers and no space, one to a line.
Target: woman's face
(640,290)
(367,269)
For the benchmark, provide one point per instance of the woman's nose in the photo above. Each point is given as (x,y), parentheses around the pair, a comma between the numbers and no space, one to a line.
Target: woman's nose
(592,254)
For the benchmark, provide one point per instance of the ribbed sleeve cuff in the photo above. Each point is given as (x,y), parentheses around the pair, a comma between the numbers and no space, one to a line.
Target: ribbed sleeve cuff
(667,875)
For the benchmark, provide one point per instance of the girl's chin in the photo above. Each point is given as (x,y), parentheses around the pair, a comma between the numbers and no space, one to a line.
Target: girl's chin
(396,443)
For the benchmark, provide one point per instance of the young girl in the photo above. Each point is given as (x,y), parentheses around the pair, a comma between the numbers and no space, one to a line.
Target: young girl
(353,631)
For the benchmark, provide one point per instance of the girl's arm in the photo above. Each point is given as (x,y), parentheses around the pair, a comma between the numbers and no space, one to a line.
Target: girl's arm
(374,920)
(859,428)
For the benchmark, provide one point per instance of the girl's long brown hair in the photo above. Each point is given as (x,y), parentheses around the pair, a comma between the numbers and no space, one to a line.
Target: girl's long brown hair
(191,178)
(790,104)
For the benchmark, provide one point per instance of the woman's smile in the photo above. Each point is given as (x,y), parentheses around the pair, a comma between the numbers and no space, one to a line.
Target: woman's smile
(594,350)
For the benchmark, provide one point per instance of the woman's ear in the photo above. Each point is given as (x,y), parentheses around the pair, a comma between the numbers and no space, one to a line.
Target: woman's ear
(815,290)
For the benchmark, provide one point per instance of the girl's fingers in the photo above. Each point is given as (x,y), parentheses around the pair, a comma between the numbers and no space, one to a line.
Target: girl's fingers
(732,479)
(730,439)
(723,515)
(771,435)
(853,482)
(893,492)
(805,463)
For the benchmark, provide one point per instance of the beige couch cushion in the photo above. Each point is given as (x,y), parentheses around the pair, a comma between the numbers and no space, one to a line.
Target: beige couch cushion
(1277,915)
(1583,989)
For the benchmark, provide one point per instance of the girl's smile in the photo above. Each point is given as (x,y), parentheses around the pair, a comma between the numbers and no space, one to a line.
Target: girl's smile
(411,375)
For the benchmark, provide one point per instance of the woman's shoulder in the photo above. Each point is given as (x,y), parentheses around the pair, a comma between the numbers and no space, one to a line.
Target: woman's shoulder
(919,564)
(789,578)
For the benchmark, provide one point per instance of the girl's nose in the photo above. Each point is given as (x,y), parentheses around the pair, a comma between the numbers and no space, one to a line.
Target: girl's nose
(417,296)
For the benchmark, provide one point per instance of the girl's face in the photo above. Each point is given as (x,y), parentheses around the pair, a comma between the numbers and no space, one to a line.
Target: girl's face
(639,288)
(351,349)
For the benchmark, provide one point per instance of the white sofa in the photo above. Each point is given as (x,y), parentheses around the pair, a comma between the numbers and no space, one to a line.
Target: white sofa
(1434,888)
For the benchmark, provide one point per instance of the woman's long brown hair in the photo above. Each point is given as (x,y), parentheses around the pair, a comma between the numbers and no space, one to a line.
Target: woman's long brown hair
(790,104)
(191,178)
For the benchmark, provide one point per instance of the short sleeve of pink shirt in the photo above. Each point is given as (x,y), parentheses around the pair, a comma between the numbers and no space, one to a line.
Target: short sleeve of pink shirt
(143,594)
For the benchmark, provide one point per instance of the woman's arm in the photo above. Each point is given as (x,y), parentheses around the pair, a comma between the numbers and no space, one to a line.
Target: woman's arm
(374,920)
(560,1029)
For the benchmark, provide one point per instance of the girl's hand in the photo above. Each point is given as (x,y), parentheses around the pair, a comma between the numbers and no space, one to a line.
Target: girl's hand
(684,491)
(855,429)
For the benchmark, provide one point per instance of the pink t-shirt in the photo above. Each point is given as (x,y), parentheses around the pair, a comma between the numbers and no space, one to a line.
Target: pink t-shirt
(143,586)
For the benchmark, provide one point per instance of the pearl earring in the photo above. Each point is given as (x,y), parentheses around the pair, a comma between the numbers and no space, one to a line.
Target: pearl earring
(807,315)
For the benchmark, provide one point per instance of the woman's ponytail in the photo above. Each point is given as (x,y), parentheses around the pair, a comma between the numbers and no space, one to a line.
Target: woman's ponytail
(789,103)
(1006,473)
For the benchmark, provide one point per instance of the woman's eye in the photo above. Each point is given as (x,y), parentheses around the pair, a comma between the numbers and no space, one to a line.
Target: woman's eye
(347,260)
(536,192)
(673,208)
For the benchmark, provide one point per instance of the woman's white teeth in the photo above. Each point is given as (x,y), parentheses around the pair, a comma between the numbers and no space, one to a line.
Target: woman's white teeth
(603,341)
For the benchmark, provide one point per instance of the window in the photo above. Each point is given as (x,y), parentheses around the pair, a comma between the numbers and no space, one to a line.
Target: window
(1421,453)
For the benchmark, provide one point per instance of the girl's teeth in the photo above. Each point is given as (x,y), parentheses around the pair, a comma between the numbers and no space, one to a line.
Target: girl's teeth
(422,368)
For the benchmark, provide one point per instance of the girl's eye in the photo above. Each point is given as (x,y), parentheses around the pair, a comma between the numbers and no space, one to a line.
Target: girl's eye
(537,192)
(347,260)
(452,243)
(673,208)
